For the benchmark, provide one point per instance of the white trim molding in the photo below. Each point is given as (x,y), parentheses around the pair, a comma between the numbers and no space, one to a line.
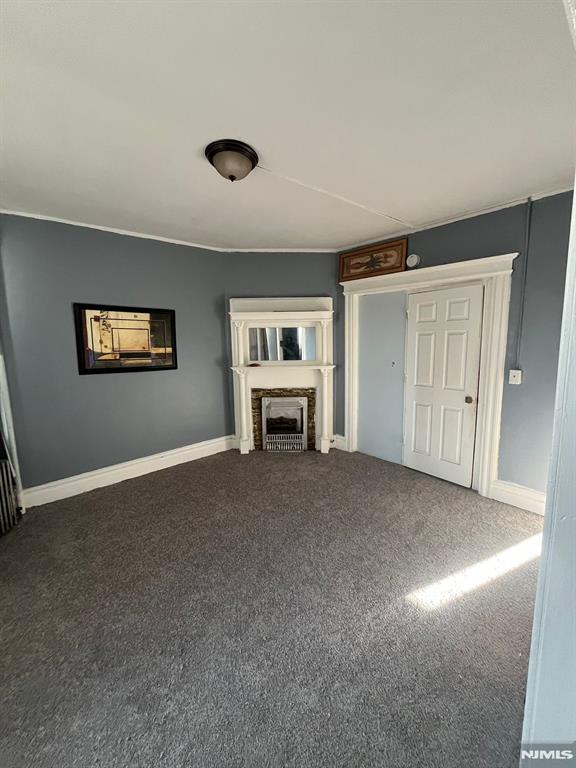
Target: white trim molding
(432,277)
(351,310)
(494,273)
(339,442)
(98,478)
(161,238)
(491,380)
(518,496)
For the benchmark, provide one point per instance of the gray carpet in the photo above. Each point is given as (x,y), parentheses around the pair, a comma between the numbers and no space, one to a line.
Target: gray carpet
(251,611)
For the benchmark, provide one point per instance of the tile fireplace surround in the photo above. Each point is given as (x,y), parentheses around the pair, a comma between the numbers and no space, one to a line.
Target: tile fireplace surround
(256,398)
(255,376)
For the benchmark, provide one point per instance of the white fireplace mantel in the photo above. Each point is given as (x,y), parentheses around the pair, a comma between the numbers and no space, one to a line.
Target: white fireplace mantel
(315,312)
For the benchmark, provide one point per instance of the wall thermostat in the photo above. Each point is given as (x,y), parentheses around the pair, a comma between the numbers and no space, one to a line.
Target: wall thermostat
(413,260)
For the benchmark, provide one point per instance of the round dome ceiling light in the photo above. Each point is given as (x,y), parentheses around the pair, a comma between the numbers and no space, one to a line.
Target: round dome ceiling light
(232,159)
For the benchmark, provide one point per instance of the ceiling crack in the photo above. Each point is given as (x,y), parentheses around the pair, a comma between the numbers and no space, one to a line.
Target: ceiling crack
(335,196)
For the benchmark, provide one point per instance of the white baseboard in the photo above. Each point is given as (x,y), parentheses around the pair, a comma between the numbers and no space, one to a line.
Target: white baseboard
(72,486)
(340,443)
(518,496)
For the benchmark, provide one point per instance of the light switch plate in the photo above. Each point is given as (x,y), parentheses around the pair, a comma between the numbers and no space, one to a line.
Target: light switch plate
(514,376)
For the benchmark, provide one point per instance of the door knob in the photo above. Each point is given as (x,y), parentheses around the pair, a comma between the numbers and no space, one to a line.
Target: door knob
(469,399)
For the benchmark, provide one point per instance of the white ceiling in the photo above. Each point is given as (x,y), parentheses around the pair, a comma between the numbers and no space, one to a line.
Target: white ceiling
(423,110)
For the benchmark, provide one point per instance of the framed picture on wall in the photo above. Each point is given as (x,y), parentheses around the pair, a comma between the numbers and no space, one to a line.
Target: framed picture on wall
(112,339)
(372,260)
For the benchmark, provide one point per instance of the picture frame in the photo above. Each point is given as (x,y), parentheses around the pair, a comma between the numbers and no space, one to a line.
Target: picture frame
(119,339)
(374,259)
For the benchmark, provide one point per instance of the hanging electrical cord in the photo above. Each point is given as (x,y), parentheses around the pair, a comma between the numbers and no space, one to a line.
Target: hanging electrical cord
(519,333)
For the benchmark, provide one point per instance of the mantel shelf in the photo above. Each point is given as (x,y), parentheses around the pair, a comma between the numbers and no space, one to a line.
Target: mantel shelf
(284,364)
(281,317)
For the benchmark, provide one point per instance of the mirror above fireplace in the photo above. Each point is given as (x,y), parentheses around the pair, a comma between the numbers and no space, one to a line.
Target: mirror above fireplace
(282,344)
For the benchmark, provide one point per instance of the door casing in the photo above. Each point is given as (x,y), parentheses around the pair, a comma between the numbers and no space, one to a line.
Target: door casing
(494,273)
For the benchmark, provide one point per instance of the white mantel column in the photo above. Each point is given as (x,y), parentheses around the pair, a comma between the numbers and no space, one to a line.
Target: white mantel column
(245,409)
(326,421)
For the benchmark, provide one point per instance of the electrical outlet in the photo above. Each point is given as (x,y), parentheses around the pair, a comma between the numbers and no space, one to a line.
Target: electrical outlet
(514,376)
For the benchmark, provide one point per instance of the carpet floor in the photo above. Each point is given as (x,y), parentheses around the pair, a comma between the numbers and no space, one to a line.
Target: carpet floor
(252,612)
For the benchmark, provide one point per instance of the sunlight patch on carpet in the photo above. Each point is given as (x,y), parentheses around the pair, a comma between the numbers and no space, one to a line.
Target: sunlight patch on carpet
(460,583)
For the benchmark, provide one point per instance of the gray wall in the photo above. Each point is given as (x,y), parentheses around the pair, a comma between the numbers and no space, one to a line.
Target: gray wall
(527,409)
(382,320)
(67,424)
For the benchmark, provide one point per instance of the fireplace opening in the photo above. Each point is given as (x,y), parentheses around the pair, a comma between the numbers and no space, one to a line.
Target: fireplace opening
(285,423)
(292,393)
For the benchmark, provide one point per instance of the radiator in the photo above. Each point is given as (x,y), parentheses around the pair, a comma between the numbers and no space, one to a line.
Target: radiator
(9,510)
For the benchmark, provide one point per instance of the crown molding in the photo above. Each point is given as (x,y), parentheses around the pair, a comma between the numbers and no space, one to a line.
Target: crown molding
(560,191)
(344,247)
(460,217)
(160,238)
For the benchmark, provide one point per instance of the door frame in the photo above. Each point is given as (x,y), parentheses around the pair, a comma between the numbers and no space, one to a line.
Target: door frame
(494,273)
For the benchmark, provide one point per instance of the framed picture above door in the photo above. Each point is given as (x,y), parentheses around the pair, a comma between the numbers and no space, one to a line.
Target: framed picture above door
(372,260)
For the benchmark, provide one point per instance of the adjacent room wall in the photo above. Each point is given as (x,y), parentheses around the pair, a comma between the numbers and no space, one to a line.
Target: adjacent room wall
(550,714)
(67,424)
(381,337)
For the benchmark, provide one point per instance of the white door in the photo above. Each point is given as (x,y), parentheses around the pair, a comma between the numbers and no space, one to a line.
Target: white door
(441,391)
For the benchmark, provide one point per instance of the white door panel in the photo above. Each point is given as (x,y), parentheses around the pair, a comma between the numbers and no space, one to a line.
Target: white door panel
(455,347)
(422,430)
(442,365)
(425,343)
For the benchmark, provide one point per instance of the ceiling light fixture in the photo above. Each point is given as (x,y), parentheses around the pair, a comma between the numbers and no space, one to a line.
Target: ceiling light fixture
(232,159)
